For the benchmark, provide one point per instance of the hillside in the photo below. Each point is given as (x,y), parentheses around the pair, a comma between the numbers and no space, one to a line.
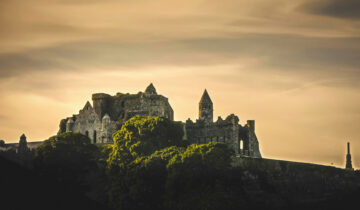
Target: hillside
(285,184)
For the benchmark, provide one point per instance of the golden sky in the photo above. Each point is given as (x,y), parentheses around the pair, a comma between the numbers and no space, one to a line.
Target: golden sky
(293,66)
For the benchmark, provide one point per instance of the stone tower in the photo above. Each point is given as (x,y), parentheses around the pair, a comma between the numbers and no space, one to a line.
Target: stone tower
(23,148)
(206,108)
(348,158)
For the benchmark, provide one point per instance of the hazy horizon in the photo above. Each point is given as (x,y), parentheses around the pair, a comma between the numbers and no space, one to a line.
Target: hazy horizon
(293,66)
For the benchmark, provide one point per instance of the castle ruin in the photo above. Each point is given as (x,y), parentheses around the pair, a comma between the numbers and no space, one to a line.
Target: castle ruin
(242,139)
(107,114)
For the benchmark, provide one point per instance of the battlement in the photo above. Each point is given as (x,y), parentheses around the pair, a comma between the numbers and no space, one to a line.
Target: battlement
(251,125)
(97,96)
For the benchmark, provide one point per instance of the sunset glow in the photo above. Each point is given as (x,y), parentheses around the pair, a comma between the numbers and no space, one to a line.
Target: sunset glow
(293,66)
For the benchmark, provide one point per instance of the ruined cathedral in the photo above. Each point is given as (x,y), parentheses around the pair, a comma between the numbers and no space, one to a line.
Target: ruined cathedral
(107,113)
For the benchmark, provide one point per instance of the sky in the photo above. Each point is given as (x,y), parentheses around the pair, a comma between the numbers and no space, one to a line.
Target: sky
(293,66)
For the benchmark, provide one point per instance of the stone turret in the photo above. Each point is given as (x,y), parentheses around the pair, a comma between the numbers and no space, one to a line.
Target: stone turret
(348,158)
(101,103)
(151,90)
(23,148)
(206,108)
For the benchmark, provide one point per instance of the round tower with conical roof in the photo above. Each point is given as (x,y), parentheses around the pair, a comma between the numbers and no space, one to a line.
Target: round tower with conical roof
(206,108)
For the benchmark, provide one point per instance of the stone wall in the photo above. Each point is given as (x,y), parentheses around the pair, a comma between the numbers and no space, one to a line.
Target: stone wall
(108,113)
(242,139)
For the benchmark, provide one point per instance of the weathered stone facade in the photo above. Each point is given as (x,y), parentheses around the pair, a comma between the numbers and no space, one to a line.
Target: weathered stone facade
(242,139)
(108,113)
(100,120)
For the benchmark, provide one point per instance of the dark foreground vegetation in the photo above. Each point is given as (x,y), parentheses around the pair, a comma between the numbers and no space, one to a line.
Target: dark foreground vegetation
(150,166)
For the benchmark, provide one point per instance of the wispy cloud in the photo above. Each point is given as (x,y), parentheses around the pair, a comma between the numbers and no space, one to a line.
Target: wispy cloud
(349,9)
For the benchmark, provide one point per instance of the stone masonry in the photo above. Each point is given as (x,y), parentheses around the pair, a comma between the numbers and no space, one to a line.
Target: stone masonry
(100,120)
(107,114)
(242,139)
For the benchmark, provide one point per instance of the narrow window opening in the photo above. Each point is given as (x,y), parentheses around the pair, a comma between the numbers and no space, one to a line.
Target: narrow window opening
(94,136)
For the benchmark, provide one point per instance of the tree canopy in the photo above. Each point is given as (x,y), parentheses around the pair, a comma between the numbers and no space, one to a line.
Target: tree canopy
(66,157)
(69,147)
(143,135)
(151,166)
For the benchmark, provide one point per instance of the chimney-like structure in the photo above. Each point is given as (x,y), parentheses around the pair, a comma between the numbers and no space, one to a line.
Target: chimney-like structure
(348,158)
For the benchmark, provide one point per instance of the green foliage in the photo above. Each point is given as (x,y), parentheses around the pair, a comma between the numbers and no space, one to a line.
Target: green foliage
(141,183)
(150,167)
(143,135)
(172,177)
(62,127)
(66,157)
(105,151)
(197,178)
(69,146)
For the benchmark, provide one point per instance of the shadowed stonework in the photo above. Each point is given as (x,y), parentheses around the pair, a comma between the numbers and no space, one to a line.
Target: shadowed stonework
(108,113)
(242,139)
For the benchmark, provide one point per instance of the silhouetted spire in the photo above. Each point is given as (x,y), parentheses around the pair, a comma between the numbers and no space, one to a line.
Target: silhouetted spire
(23,148)
(348,158)
(150,89)
(205,98)
(206,108)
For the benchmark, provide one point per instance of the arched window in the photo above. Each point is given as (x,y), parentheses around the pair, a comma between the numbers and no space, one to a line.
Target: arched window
(94,136)
(241,144)
(87,133)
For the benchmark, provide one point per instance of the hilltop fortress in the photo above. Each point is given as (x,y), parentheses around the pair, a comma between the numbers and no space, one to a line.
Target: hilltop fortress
(100,120)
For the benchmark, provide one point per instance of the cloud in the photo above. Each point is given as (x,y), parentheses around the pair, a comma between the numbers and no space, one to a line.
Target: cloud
(349,9)
(282,53)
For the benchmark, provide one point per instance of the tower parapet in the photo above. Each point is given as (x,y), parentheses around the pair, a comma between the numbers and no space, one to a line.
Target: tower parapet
(100,103)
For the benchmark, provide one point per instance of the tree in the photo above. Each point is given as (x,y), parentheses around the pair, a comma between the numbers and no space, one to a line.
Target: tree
(141,183)
(143,135)
(2,143)
(198,177)
(151,167)
(62,126)
(67,157)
